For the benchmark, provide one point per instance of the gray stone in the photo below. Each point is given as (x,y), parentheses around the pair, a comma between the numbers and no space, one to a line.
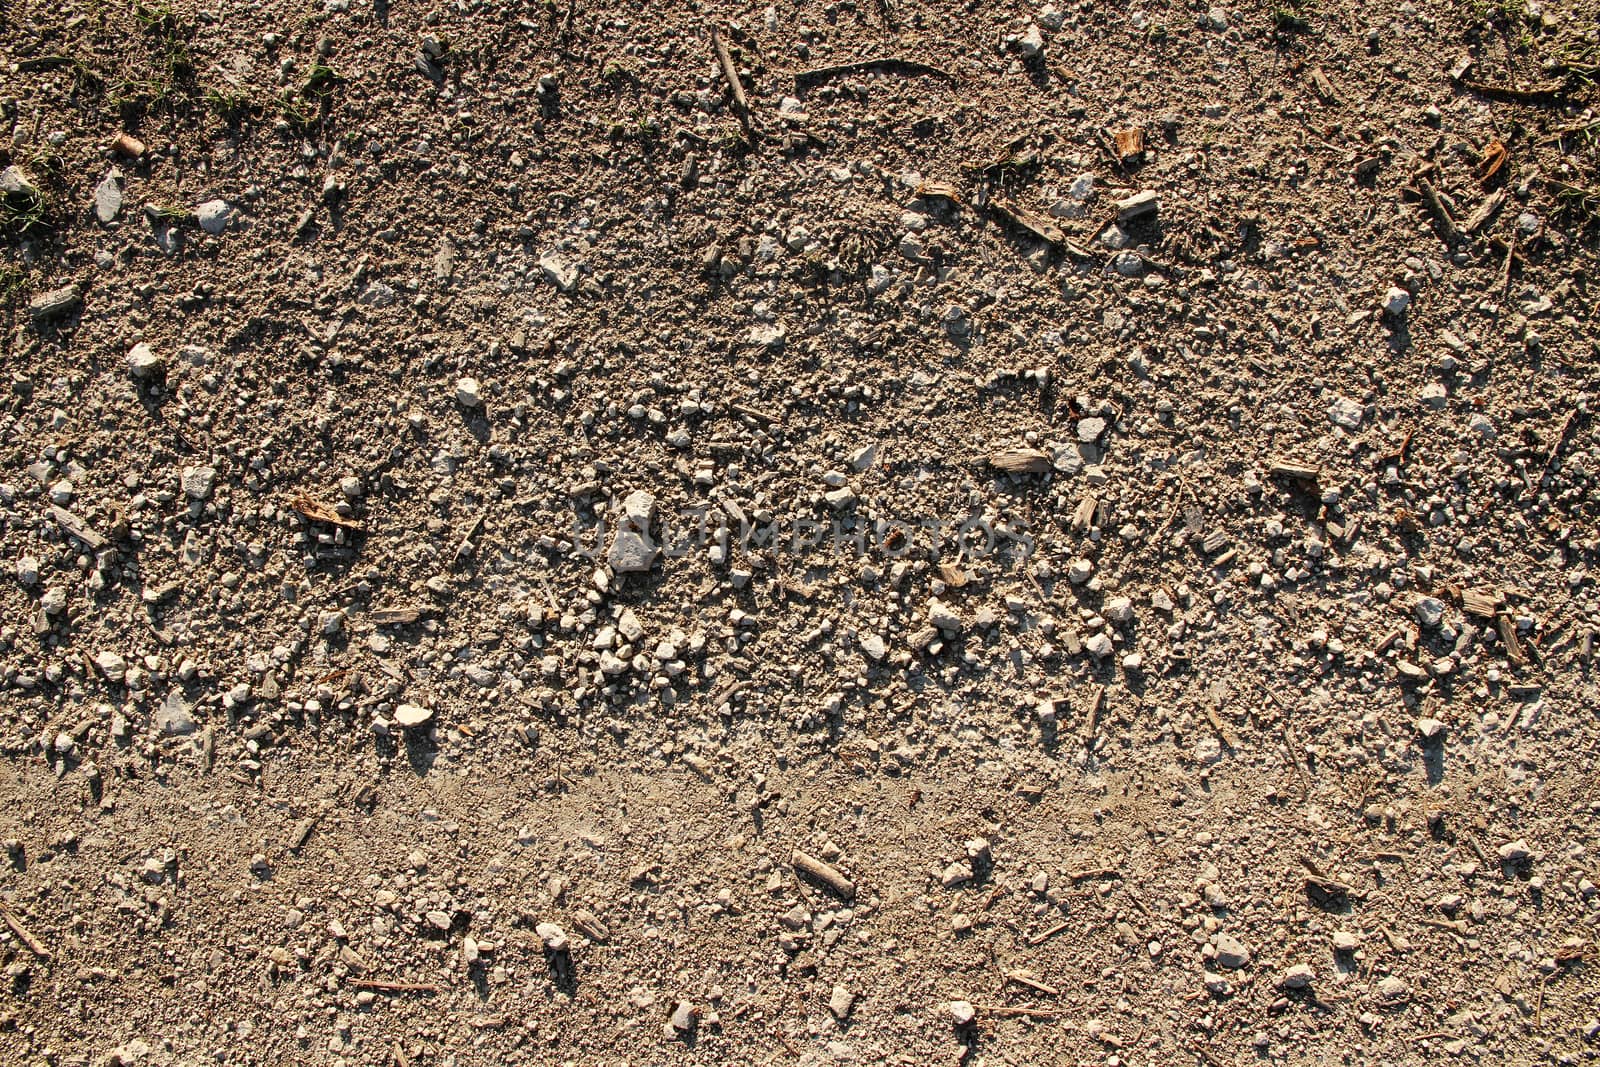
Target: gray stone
(632,551)
(378,294)
(553,937)
(1116,238)
(1231,952)
(563,274)
(1128,264)
(1346,412)
(944,616)
(1429,728)
(108,198)
(144,365)
(17,186)
(214,216)
(468,393)
(1119,609)
(639,508)
(1031,43)
(1430,611)
(172,718)
(1514,851)
(958,873)
(412,715)
(841,1001)
(1141,203)
(841,499)
(55,303)
(864,457)
(1299,976)
(198,482)
(1393,988)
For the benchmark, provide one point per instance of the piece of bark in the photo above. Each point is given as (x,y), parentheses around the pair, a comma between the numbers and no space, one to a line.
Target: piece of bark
(1021,461)
(1288,468)
(1481,602)
(731,73)
(77,528)
(1441,214)
(1484,212)
(55,303)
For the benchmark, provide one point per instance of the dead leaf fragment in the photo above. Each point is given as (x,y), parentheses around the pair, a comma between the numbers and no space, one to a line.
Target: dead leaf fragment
(1494,157)
(397,616)
(941,189)
(316,512)
(1323,87)
(1031,221)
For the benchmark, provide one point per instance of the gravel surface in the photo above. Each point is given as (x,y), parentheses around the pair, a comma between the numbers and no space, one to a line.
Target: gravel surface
(879,532)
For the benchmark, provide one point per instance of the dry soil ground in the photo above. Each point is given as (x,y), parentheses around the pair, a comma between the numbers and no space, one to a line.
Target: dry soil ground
(1020,535)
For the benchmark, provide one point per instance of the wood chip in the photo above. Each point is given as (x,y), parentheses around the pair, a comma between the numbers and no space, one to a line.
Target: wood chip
(590,926)
(396,987)
(1021,461)
(1484,603)
(1044,935)
(35,946)
(1091,716)
(128,145)
(77,528)
(1537,94)
(1441,214)
(1023,978)
(1031,221)
(466,539)
(1083,514)
(731,74)
(1222,731)
(883,64)
(1130,142)
(1507,628)
(815,870)
(1484,212)
(953,576)
(302,833)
